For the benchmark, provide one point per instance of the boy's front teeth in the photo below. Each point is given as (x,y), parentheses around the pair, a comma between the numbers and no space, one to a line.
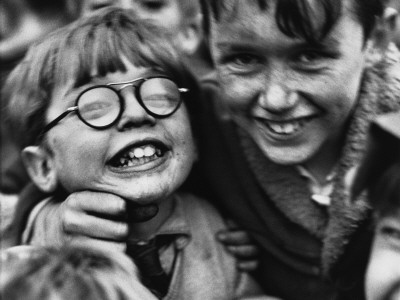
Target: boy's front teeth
(140,152)
(284,128)
(143,154)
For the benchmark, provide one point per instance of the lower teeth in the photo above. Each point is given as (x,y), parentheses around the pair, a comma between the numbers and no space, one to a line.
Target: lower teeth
(132,161)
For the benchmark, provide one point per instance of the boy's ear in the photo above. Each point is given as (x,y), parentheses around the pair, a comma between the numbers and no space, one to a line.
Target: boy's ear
(385,28)
(190,37)
(40,167)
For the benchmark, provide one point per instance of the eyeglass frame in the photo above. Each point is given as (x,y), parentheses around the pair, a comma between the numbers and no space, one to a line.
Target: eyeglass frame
(124,84)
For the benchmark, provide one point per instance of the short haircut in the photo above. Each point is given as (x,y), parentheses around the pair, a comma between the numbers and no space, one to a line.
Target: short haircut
(70,272)
(295,17)
(69,56)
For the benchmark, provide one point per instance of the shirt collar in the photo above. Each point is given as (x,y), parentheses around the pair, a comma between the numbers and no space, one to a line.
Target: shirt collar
(176,227)
(320,192)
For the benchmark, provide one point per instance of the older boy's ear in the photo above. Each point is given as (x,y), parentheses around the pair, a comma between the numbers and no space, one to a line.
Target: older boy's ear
(190,38)
(40,168)
(385,28)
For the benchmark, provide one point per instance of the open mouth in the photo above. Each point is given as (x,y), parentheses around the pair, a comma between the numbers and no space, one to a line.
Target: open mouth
(139,154)
(286,128)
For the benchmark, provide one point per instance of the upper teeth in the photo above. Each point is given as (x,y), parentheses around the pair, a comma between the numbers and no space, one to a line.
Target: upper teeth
(139,152)
(285,128)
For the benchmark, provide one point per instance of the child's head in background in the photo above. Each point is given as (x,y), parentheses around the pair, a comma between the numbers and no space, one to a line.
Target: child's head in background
(379,174)
(70,272)
(180,18)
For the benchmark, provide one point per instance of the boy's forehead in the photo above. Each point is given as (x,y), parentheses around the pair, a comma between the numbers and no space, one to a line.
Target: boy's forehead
(233,17)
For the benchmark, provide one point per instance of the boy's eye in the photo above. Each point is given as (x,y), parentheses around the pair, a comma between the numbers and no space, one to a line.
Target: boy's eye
(313,59)
(241,61)
(153,4)
(95,109)
(309,57)
(390,232)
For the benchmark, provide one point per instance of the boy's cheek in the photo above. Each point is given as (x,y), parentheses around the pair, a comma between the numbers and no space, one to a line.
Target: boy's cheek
(383,269)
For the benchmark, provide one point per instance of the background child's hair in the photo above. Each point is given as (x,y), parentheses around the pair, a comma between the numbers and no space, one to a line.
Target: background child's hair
(69,272)
(69,58)
(385,193)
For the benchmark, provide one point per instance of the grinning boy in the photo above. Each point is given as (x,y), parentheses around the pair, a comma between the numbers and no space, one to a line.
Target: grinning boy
(103,106)
(294,91)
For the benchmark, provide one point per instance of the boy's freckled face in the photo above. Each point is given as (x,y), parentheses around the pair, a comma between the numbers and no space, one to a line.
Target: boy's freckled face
(293,97)
(384,267)
(140,157)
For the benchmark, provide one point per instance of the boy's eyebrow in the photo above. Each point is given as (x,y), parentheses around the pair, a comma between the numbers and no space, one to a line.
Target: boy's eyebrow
(330,42)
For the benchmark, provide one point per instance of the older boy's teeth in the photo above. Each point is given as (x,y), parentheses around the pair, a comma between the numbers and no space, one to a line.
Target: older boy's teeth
(149,151)
(284,128)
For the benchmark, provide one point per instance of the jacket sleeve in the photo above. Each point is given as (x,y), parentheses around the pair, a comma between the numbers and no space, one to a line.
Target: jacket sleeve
(44,225)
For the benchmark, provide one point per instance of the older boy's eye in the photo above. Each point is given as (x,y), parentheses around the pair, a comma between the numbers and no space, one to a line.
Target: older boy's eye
(313,59)
(241,62)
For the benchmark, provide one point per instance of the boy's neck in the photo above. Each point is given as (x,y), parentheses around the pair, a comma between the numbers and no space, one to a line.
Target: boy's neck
(145,230)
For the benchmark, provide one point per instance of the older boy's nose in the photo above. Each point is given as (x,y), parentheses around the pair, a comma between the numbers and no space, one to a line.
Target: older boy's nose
(277,98)
(133,115)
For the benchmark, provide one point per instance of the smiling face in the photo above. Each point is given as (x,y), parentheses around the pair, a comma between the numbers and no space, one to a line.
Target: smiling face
(140,158)
(292,97)
(383,274)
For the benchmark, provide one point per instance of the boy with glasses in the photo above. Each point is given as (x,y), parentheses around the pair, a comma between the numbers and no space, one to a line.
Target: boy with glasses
(105,105)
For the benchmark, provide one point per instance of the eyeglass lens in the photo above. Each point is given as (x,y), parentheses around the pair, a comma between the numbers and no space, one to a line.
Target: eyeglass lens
(101,106)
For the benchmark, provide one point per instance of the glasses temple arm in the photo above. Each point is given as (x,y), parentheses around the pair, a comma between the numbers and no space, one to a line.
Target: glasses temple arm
(58,119)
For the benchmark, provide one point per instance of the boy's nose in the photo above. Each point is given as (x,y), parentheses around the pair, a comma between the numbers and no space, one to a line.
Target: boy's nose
(133,115)
(277,98)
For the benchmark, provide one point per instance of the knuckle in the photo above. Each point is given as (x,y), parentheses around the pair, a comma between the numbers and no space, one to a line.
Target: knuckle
(122,230)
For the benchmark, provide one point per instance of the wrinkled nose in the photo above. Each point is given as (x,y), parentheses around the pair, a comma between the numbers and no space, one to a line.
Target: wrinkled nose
(277,99)
(133,115)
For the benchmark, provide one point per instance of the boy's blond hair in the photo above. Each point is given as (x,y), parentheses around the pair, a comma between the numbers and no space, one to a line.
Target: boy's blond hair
(69,57)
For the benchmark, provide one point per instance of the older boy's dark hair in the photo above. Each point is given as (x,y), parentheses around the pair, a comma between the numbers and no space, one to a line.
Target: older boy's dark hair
(295,17)
(68,57)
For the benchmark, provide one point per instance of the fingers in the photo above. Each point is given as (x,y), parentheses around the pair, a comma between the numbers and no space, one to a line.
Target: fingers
(79,223)
(95,202)
(98,244)
(234,237)
(94,215)
(247,266)
(244,251)
(240,244)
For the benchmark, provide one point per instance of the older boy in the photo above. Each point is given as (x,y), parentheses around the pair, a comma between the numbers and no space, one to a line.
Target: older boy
(296,90)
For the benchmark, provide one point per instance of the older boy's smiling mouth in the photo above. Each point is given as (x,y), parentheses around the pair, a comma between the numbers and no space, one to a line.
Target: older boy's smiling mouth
(139,154)
(285,127)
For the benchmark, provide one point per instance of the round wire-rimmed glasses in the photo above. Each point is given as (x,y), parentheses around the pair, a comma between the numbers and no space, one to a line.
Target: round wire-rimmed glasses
(101,106)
